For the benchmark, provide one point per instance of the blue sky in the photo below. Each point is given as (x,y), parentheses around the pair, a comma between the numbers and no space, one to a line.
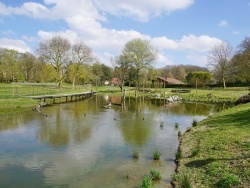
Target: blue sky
(184,31)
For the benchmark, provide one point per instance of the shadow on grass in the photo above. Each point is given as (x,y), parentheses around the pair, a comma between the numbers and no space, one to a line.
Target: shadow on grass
(199,163)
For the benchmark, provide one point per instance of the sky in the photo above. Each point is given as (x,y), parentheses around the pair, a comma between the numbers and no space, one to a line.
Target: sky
(183,31)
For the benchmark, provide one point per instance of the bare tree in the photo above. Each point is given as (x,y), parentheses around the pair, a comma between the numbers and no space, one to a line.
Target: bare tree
(121,67)
(81,54)
(141,54)
(219,60)
(55,51)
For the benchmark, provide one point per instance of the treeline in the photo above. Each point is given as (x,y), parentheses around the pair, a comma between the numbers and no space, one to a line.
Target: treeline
(57,60)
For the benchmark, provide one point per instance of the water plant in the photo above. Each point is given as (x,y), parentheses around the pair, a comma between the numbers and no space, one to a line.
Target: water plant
(155,174)
(176,125)
(146,182)
(135,154)
(127,174)
(179,133)
(178,154)
(156,154)
(161,125)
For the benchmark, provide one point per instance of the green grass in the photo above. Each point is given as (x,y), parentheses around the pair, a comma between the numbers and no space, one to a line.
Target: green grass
(216,152)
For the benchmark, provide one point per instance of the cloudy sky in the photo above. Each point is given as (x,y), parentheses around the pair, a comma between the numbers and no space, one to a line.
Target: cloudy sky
(183,30)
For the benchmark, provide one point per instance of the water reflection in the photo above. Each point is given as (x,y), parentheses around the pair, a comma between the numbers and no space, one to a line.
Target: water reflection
(83,144)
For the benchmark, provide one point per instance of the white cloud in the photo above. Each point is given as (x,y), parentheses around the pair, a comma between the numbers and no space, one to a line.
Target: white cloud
(236,32)
(198,59)
(8,32)
(141,10)
(165,43)
(163,60)
(223,23)
(202,43)
(84,19)
(18,45)
(4,10)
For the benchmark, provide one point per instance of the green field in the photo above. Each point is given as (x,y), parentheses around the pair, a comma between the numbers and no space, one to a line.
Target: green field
(216,152)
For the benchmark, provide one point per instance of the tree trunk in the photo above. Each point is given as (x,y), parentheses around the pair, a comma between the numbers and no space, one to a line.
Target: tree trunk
(224,83)
(73,82)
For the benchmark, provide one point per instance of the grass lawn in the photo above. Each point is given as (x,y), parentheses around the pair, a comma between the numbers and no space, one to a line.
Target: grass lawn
(216,152)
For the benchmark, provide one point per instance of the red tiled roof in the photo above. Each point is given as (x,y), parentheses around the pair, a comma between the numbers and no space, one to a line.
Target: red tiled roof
(170,80)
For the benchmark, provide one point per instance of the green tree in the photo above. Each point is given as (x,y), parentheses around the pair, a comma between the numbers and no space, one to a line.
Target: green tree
(141,54)
(28,63)
(200,77)
(55,51)
(241,62)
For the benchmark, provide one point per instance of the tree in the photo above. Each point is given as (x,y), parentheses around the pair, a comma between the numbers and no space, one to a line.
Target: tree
(28,62)
(81,54)
(55,51)
(200,78)
(241,61)
(141,54)
(121,66)
(219,60)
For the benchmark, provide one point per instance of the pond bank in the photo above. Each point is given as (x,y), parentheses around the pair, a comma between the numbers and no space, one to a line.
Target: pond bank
(216,152)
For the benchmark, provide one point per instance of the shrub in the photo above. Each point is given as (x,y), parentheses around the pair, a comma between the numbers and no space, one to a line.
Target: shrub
(146,182)
(155,174)
(195,152)
(228,181)
(194,123)
(156,154)
(185,182)
(178,154)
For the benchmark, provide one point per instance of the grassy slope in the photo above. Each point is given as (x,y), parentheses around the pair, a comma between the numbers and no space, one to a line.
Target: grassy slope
(216,153)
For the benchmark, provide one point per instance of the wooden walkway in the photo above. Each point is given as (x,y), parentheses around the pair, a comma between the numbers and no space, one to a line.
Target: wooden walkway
(68,97)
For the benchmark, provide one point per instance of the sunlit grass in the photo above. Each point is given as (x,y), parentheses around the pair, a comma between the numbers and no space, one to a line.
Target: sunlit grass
(216,151)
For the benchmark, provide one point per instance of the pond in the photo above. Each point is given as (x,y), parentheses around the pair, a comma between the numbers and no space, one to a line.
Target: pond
(81,144)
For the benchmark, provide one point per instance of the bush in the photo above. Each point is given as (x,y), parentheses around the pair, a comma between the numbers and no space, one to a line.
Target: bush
(194,123)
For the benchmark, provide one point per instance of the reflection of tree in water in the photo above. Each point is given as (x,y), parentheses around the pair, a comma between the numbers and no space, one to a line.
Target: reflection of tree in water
(134,126)
(57,133)
(10,121)
(81,133)
(135,131)
(68,125)
(14,120)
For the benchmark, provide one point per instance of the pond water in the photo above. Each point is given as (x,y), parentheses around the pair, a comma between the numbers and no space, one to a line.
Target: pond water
(81,144)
